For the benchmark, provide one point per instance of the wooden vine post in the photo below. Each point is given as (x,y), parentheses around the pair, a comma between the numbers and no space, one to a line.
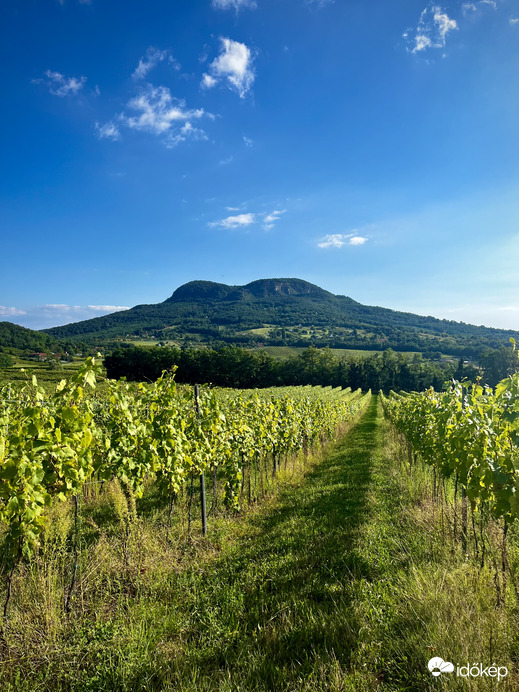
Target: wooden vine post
(463,499)
(202,475)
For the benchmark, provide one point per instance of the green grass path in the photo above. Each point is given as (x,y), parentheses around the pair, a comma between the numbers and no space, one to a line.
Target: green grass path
(278,612)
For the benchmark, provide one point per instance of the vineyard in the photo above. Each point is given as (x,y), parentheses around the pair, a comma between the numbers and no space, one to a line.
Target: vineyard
(54,447)
(470,436)
(158,536)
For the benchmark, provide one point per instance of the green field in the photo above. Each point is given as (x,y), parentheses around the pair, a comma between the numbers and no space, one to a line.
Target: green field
(288,351)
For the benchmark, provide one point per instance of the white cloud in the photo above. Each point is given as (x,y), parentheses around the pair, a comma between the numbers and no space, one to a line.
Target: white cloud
(341,239)
(59,85)
(248,141)
(108,131)
(153,57)
(158,110)
(319,3)
(8,312)
(238,221)
(432,30)
(208,81)
(514,20)
(270,219)
(357,240)
(187,131)
(54,314)
(233,4)
(444,24)
(472,7)
(234,64)
(161,114)
(226,161)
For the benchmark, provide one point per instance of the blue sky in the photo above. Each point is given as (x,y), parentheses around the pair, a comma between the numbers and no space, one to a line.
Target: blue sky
(370,148)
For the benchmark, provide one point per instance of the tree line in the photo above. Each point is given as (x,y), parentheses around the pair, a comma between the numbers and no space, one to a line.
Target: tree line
(231,366)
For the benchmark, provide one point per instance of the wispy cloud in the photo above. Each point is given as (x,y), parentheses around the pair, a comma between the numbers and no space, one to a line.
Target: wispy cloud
(248,141)
(64,308)
(187,131)
(158,113)
(432,30)
(59,85)
(54,314)
(513,21)
(153,57)
(338,240)
(238,221)
(233,4)
(472,7)
(108,131)
(270,219)
(9,312)
(319,3)
(226,161)
(267,221)
(234,65)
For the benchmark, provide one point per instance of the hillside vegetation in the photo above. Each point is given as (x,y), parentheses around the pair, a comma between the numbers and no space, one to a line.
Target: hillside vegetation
(282,312)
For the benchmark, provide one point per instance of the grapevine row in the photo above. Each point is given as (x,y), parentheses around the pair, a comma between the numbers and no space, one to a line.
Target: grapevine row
(471,433)
(52,445)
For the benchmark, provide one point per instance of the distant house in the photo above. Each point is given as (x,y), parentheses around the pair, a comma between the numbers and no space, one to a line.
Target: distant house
(37,356)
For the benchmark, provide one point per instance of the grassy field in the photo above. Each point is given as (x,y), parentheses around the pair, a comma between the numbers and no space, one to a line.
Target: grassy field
(344,578)
(288,351)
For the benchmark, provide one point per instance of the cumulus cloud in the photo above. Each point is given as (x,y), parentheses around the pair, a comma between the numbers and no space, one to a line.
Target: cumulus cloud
(233,4)
(159,113)
(270,219)
(514,20)
(233,65)
(152,58)
(208,82)
(432,30)
(108,131)
(338,240)
(59,85)
(238,221)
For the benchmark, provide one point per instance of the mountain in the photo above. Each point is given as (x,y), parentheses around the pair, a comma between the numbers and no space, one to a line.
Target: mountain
(281,312)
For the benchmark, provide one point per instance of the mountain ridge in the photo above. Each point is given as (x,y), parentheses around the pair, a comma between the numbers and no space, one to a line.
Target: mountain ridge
(283,311)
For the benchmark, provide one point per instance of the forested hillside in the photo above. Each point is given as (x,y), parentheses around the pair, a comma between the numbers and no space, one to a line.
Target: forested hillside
(279,312)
